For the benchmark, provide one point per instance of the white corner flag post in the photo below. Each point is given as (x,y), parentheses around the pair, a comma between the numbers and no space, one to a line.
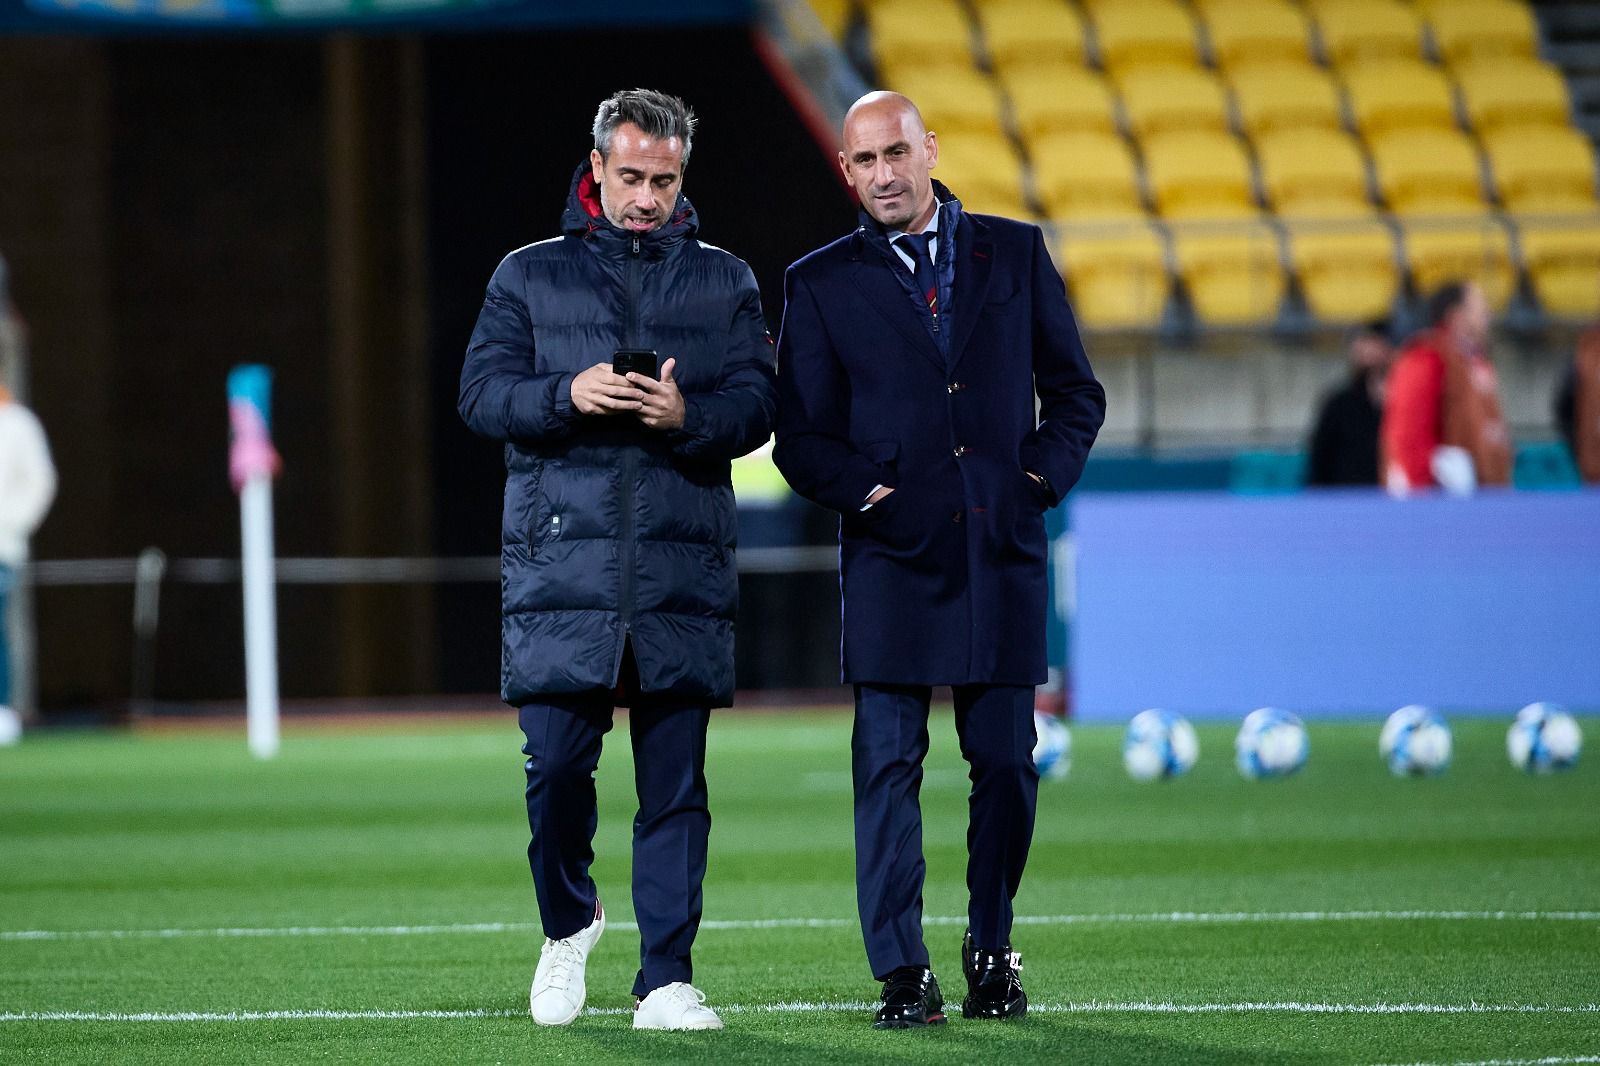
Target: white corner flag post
(252,464)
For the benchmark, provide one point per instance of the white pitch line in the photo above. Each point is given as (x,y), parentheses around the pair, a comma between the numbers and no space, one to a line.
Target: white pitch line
(1554,1060)
(1155,918)
(827,1007)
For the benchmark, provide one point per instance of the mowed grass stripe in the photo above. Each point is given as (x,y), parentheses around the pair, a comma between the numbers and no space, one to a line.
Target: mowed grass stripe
(742,924)
(852,1007)
(1172,922)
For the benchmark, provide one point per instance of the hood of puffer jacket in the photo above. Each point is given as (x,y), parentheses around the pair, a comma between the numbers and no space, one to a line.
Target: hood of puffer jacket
(584,218)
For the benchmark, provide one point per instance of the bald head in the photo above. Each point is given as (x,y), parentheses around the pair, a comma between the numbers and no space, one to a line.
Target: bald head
(883,101)
(886,156)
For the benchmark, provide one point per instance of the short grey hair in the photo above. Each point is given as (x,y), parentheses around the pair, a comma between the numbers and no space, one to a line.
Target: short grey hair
(656,113)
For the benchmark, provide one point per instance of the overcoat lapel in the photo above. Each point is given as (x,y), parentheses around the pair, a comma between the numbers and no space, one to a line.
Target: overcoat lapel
(975,260)
(878,286)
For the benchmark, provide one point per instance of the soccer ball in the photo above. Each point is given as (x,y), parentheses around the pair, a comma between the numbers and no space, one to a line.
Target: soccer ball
(1159,744)
(1415,741)
(1271,743)
(1052,751)
(1543,738)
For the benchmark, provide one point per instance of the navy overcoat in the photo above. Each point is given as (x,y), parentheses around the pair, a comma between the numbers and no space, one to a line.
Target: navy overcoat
(613,532)
(943,582)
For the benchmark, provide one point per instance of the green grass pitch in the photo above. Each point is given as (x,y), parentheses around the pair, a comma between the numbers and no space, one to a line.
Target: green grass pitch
(371,875)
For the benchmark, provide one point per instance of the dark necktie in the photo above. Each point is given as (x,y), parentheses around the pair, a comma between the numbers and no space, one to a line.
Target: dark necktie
(917,245)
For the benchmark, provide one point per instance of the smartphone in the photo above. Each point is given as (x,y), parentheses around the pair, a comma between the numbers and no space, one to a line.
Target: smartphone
(634,361)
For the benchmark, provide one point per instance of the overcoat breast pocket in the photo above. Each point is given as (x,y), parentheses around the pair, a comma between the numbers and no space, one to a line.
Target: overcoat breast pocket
(1000,297)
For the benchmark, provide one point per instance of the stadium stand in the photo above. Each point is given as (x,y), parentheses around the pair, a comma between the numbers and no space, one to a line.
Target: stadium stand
(1362,30)
(985,171)
(954,101)
(1352,153)
(919,35)
(1132,32)
(1118,273)
(1276,96)
(1313,171)
(1473,29)
(1086,174)
(1199,174)
(1512,91)
(1396,94)
(1346,268)
(1162,97)
(1429,172)
(1059,99)
(1031,35)
(1245,33)
(1542,169)
(1233,276)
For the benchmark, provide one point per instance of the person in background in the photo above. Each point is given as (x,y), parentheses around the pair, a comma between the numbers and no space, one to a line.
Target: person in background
(1578,405)
(1344,443)
(27,488)
(1442,425)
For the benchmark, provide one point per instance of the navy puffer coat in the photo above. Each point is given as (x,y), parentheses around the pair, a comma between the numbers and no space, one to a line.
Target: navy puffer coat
(612,531)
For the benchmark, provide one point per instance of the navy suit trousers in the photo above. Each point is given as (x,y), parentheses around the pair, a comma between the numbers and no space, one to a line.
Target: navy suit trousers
(670,830)
(995,727)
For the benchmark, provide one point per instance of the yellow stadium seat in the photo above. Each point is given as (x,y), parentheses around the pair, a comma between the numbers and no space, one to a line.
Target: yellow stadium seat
(1232,271)
(1247,32)
(1058,100)
(1360,30)
(1397,94)
(1198,174)
(1542,169)
(1562,255)
(1144,31)
(1030,33)
(1284,96)
(1473,29)
(1313,171)
(1116,272)
(1347,269)
(985,173)
(1429,172)
(1085,174)
(1512,91)
(1460,248)
(925,34)
(954,102)
(1163,97)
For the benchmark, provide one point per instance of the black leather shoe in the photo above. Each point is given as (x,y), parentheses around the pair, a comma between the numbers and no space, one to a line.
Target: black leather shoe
(911,1000)
(994,989)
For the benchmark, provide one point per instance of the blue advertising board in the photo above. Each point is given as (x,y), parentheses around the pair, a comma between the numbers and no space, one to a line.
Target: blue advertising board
(1334,603)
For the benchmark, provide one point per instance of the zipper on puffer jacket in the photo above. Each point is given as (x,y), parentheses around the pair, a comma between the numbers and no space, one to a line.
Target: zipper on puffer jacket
(630,461)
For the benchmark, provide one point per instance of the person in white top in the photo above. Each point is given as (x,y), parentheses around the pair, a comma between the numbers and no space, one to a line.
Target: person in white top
(27,488)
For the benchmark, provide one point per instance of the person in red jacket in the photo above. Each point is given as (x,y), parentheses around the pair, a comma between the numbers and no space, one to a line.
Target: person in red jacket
(1442,425)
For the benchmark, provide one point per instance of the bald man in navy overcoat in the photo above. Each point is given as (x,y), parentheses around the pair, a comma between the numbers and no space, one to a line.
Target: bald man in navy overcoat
(934,391)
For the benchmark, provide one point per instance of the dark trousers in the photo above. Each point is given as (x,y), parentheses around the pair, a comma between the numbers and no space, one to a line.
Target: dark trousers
(995,727)
(670,830)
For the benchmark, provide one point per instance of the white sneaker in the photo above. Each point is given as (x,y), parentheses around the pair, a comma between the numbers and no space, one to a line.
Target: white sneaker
(679,1005)
(558,989)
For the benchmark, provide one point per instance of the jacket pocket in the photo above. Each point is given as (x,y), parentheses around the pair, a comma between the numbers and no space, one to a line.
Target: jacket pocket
(882,453)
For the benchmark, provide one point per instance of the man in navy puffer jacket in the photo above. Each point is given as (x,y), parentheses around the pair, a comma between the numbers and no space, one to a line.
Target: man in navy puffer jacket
(617,570)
